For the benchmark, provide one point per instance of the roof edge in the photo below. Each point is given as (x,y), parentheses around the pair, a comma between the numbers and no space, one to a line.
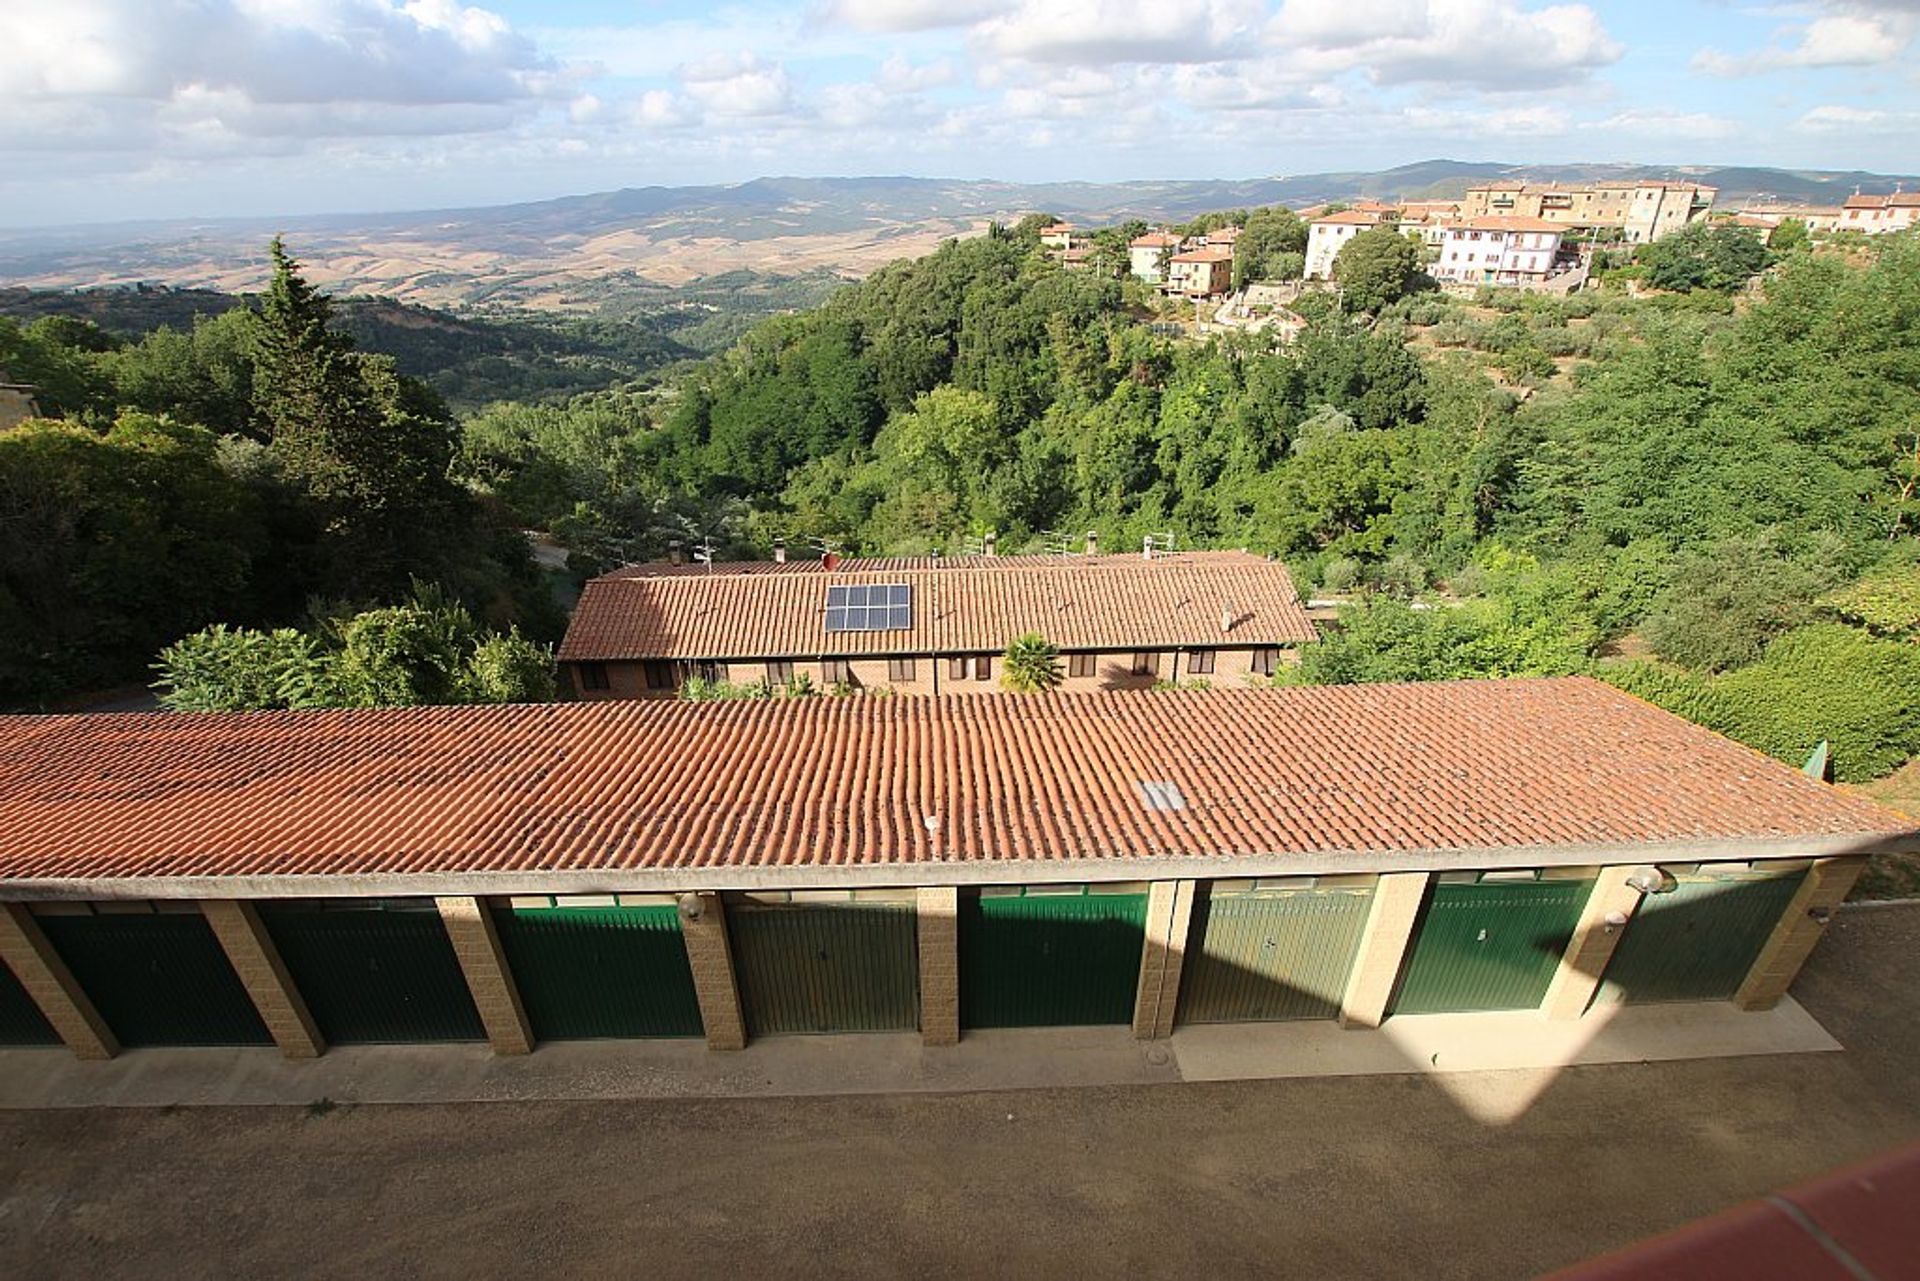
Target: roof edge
(942,873)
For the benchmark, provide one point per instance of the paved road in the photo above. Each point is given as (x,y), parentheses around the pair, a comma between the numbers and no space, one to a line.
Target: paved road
(1354,1177)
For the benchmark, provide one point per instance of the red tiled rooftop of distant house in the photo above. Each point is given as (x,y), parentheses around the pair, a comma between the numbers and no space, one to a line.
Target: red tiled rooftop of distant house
(1057,228)
(1223,235)
(1519,773)
(1079,253)
(764,609)
(1154,240)
(1892,200)
(1350,218)
(1211,253)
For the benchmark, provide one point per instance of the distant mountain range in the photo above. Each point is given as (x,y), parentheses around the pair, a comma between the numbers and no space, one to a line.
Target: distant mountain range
(584,252)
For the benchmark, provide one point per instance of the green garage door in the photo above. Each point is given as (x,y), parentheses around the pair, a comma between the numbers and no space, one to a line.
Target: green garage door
(1489,946)
(157,979)
(374,975)
(21,1022)
(826,967)
(600,971)
(1697,942)
(1270,954)
(1039,960)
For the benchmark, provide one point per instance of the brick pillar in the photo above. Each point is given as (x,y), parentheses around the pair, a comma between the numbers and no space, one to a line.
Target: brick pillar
(26,951)
(1169,909)
(703,924)
(1800,927)
(477,943)
(1383,945)
(257,961)
(937,910)
(1578,975)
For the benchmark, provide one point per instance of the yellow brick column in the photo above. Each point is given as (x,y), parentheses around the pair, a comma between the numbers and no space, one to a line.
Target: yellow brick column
(1591,947)
(1800,927)
(477,944)
(937,910)
(703,924)
(1162,952)
(26,951)
(257,961)
(1383,945)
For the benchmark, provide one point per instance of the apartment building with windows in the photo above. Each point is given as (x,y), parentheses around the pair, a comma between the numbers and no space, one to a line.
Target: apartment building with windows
(1643,210)
(1497,251)
(1326,236)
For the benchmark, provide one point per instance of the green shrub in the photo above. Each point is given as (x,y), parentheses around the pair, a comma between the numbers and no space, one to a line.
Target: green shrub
(1887,604)
(1824,681)
(1031,665)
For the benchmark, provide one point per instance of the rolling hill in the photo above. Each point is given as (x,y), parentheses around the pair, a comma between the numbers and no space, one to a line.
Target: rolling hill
(591,252)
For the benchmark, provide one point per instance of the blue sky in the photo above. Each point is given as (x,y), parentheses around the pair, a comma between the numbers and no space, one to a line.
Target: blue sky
(120,109)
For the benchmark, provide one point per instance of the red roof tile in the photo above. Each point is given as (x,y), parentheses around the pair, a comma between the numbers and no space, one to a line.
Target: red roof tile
(1350,218)
(1505,222)
(1210,253)
(960,605)
(1362,775)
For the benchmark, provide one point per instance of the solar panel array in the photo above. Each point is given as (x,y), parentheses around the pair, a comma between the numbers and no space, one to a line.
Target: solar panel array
(886,607)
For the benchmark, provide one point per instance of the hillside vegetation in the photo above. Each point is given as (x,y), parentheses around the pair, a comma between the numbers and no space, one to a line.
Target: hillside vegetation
(1708,495)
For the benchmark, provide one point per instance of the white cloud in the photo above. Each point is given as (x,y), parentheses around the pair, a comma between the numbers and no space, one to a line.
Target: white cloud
(897,75)
(1485,44)
(743,85)
(910,15)
(1850,33)
(1102,32)
(1837,118)
(1657,123)
(658,109)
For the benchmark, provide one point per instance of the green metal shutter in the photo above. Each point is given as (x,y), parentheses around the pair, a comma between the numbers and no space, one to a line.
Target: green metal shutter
(587,972)
(21,1022)
(826,967)
(375,976)
(157,979)
(1046,960)
(1492,946)
(1271,954)
(1697,942)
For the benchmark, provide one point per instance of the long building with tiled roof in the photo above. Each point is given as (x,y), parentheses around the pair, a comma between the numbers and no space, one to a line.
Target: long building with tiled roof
(934,625)
(641,794)
(742,869)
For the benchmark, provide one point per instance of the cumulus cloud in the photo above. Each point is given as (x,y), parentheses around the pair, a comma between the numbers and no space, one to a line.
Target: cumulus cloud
(744,85)
(1657,123)
(229,74)
(1102,32)
(1488,44)
(1851,33)
(1837,118)
(910,15)
(897,75)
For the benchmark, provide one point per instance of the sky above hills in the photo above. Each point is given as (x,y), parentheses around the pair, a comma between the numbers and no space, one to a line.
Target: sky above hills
(117,109)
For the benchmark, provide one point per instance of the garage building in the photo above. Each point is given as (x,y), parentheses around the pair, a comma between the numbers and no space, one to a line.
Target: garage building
(846,865)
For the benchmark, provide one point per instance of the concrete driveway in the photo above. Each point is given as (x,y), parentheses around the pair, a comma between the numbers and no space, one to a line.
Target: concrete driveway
(1335,1177)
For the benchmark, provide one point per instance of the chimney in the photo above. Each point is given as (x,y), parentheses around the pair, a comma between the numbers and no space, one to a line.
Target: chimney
(829,559)
(1093,542)
(676,555)
(1226,619)
(779,551)
(986,544)
(1146,547)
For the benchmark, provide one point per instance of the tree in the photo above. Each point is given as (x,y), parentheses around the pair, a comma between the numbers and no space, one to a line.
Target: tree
(1729,600)
(1699,256)
(1031,665)
(369,447)
(1377,268)
(1790,235)
(1268,242)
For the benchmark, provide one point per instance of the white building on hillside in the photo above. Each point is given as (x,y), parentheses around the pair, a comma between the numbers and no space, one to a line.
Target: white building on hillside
(1145,253)
(1325,236)
(1497,251)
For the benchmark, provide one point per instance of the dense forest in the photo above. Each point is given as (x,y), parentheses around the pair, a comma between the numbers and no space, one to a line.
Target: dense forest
(1700,482)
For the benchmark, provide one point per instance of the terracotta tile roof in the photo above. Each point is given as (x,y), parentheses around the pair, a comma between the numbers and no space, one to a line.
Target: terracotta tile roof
(961,605)
(1211,253)
(1154,240)
(1366,773)
(1349,218)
